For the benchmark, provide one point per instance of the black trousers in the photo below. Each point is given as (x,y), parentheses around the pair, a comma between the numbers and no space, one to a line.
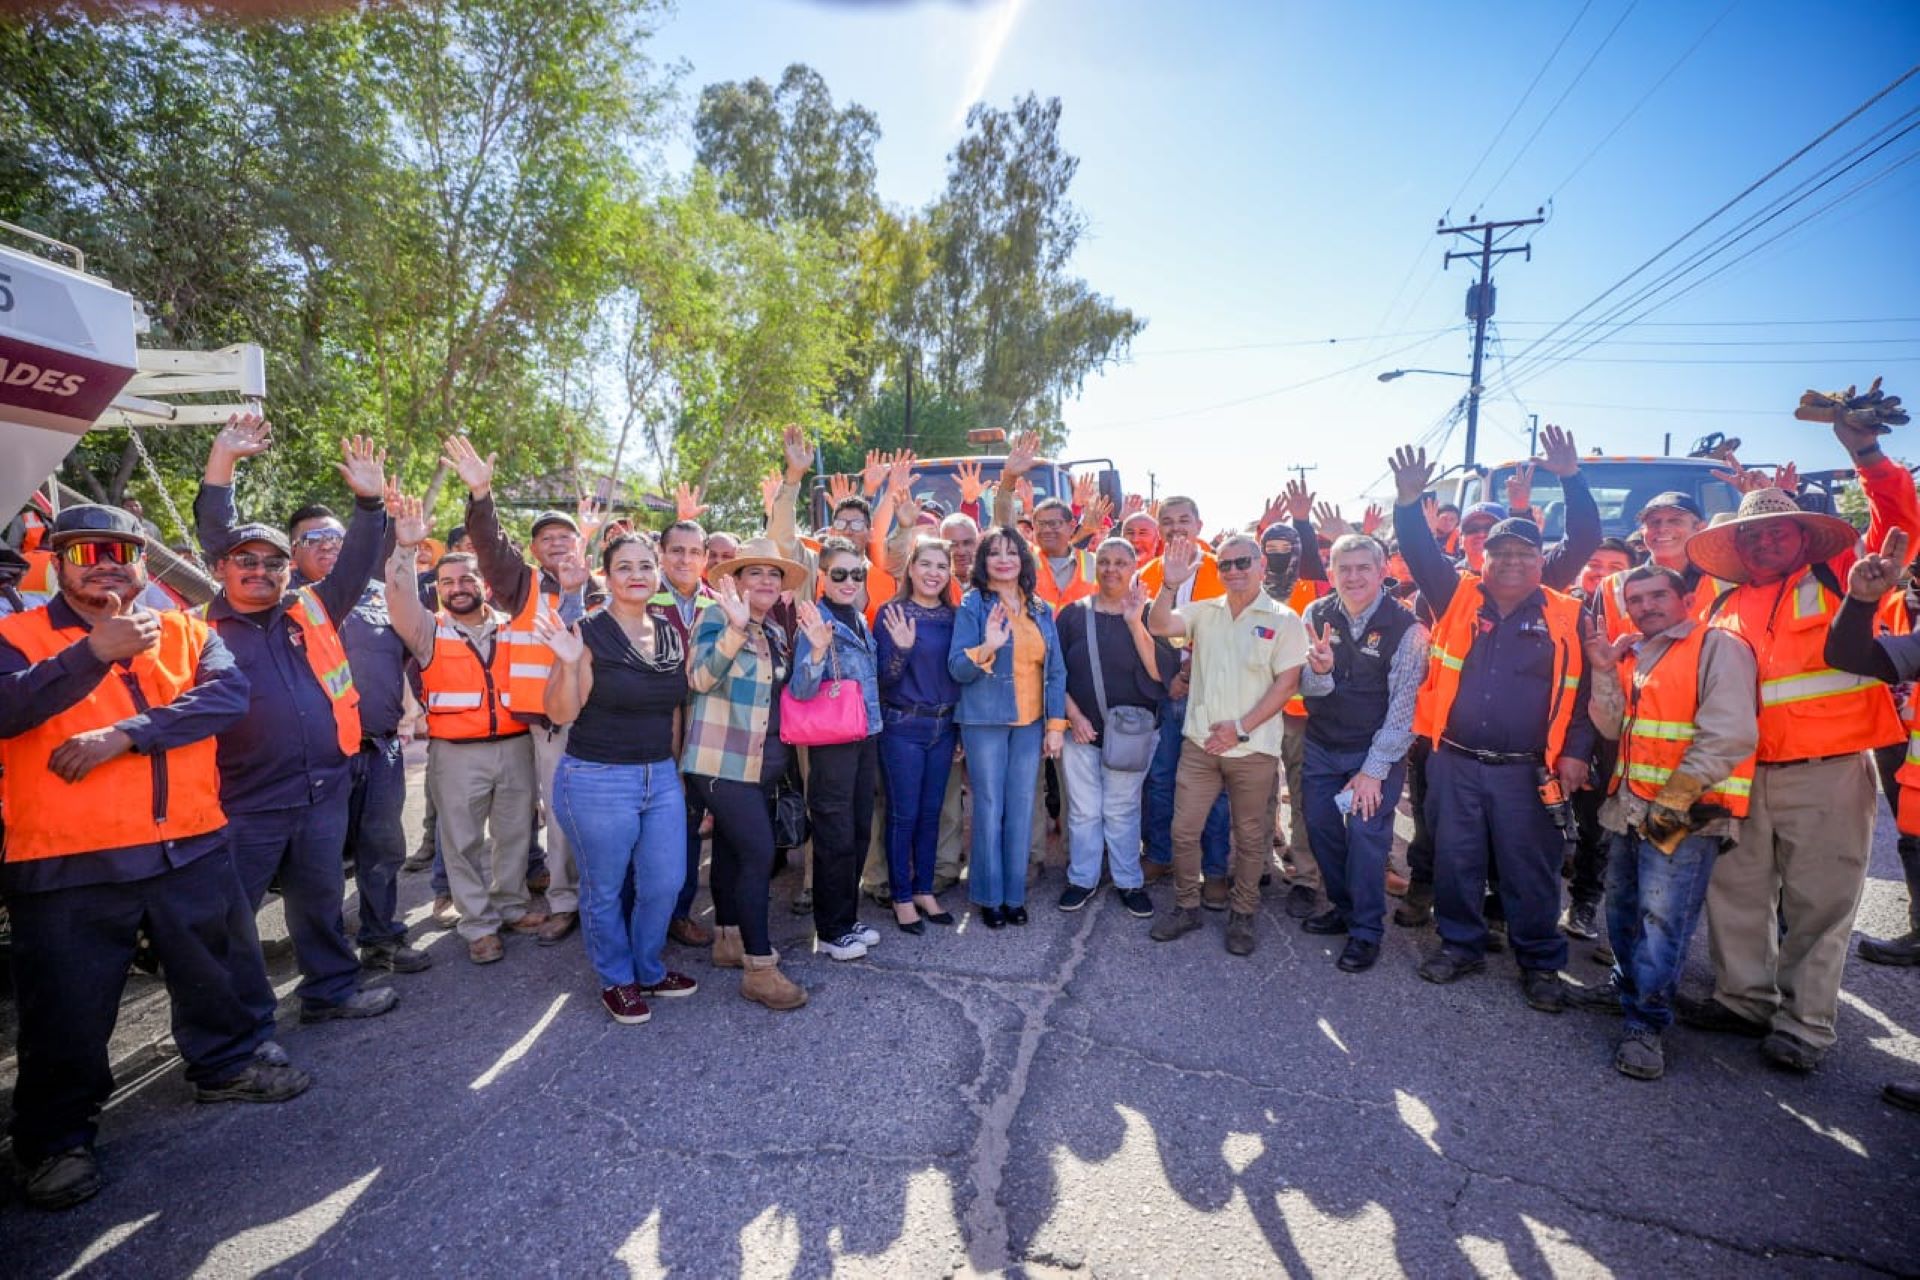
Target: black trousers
(742,850)
(1888,761)
(1590,849)
(840,790)
(71,949)
(1420,848)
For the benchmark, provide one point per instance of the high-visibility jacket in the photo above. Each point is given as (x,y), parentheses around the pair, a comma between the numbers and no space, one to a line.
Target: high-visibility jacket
(130,800)
(1807,708)
(1893,618)
(328,659)
(1304,594)
(1453,636)
(1079,584)
(1659,725)
(41,581)
(528,661)
(1612,597)
(469,699)
(1206,579)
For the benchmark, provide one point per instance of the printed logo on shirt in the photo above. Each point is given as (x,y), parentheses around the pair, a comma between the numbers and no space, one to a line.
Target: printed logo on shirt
(1537,627)
(1265,633)
(1371,645)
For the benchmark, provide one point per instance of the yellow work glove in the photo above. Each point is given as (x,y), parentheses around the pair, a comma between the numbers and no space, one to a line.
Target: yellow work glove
(1875,410)
(1669,820)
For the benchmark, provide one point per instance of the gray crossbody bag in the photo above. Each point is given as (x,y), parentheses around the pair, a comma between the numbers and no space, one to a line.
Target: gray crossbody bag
(1130,734)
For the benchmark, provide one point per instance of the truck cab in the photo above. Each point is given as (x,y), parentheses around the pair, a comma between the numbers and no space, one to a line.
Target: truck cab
(1621,486)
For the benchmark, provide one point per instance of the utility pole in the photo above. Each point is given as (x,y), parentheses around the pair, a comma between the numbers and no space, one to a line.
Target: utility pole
(1300,473)
(1480,296)
(1533,434)
(1153,486)
(909,433)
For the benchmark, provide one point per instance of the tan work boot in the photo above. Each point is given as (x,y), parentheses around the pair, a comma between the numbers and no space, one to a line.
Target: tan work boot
(727,951)
(765,984)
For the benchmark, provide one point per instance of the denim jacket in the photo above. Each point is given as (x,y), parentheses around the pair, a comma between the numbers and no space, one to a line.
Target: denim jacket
(858,663)
(986,697)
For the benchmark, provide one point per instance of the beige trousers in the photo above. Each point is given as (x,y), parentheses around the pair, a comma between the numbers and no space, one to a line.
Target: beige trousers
(1250,782)
(1293,758)
(477,787)
(1804,845)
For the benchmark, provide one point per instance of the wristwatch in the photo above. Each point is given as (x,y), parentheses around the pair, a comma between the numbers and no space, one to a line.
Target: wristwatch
(1240,732)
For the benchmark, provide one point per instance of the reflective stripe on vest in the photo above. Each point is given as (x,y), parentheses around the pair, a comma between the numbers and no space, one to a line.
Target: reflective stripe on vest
(130,800)
(1659,726)
(327,658)
(1807,708)
(1453,635)
(529,662)
(467,699)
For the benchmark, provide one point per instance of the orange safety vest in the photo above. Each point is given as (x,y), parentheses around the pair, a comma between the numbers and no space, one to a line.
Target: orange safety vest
(1079,585)
(328,658)
(1453,636)
(1304,594)
(110,807)
(1206,579)
(1893,619)
(1612,596)
(1659,723)
(529,662)
(41,581)
(1807,708)
(469,699)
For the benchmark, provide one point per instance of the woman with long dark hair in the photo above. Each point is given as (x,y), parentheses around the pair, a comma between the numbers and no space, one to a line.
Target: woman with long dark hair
(917,699)
(1005,653)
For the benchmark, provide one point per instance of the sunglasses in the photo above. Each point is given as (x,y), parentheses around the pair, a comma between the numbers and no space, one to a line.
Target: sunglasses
(1238,564)
(87,554)
(321,537)
(841,575)
(250,562)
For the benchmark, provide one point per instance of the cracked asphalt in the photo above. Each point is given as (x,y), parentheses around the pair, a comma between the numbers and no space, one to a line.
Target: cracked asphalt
(1068,1097)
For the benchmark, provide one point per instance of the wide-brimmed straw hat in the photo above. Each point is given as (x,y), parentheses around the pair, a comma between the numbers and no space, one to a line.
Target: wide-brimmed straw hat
(762,551)
(1714,550)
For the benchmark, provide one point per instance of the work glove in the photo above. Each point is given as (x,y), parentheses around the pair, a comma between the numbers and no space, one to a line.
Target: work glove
(1873,411)
(1669,817)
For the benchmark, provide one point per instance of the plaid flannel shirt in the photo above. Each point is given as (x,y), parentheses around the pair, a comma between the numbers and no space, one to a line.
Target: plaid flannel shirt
(732,697)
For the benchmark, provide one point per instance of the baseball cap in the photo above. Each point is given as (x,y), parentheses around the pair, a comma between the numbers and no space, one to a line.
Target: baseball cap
(1516,527)
(1674,499)
(546,518)
(1492,510)
(92,521)
(240,535)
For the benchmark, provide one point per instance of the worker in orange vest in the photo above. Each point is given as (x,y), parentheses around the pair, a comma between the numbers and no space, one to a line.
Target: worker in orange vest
(1804,850)
(1680,699)
(286,767)
(558,581)
(111,796)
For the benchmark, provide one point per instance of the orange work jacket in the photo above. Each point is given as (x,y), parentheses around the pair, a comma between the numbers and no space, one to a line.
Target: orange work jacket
(1659,724)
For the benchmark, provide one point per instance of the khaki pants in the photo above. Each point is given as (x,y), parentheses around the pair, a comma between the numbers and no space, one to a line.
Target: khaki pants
(1293,755)
(563,893)
(950,855)
(1805,845)
(477,786)
(1250,782)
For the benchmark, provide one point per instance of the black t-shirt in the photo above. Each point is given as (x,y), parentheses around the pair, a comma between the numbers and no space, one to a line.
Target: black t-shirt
(1128,683)
(628,718)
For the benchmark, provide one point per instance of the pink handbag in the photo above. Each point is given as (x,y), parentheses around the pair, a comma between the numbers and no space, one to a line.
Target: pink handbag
(836,714)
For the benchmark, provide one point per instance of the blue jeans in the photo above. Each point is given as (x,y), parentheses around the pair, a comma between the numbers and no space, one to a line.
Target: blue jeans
(301,848)
(916,755)
(1103,818)
(1351,851)
(1653,905)
(1156,801)
(376,839)
(624,821)
(1003,764)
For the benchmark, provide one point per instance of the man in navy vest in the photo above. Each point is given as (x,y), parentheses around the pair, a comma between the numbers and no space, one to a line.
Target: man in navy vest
(1364,667)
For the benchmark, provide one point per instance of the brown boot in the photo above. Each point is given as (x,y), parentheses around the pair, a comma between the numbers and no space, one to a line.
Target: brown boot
(727,950)
(765,984)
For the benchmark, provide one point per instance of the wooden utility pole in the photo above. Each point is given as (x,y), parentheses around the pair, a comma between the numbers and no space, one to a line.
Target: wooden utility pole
(1480,296)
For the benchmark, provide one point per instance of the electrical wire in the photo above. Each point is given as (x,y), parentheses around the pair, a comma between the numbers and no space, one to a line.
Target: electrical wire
(1524,97)
(1294,342)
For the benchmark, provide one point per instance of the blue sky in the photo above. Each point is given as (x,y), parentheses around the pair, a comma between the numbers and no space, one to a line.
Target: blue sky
(1260,177)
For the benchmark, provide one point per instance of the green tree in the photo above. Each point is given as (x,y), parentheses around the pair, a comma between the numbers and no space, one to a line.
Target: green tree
(786,153)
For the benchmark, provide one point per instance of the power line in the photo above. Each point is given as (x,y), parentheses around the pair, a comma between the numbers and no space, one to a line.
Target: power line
(1737,324)
(1294,342)
(1514,114)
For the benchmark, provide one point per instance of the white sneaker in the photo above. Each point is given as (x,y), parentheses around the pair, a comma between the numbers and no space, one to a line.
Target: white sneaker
(848,946)
(868,934)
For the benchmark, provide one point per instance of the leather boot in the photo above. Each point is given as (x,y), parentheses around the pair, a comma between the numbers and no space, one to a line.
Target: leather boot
(764,984)
(727,950)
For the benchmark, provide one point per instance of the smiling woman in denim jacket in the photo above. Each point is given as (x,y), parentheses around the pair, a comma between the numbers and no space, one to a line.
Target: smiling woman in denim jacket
(836,645)
(1013,708)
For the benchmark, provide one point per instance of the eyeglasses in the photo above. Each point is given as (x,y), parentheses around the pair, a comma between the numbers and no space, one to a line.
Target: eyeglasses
(1237,564)
(851,526)
(322,537)
(87,554)
(841,575)
(272,564)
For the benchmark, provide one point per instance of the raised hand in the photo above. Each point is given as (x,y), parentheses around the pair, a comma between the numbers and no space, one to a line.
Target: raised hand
(1787,478)
(363,467)
(1023,495)
(245,435)
(409,519)
(1275,511)
(124,635)
(688,501)
(839,489)
(565,641)
(1872,576)
(1320,652)
(1560,455)
(1372,519)
(1412,473)
(1430,511)
(1132,505)
(1520,488)
(1095,513)
(874,472)
(796,450)
(726,593)
(1328,520)
(769,492)
(1299,499)
(474,471)
(1084,488)
(967,476)
(1022,453)
(900,628)
(572,573)
(900,476)
(1181,561)
(814,626)
(1742,480)
(1138,598)
(1602,654)
(999,627)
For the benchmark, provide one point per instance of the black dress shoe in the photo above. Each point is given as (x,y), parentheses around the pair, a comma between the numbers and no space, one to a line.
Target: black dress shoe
(1329,922)
(1016,915)
(1448,965)
(910,926)
(991,917)
(1359,955)
(937,917)
(1710,1015)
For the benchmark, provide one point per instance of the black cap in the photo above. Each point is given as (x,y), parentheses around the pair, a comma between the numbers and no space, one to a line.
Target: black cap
(1675,499)
(240,535)
(1516,527)
(92,522)
(1279,532)
(1618,545)
(546,518)
(456,533)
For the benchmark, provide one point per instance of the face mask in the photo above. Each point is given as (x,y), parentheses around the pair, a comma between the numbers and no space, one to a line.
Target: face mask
(1279,563)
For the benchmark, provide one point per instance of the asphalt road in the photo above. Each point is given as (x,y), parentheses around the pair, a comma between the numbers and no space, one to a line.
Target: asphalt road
(1068,1097)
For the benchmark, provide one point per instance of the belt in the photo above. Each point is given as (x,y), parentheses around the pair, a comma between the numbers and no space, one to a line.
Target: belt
(1494,757)
(916,709)
(1788,764)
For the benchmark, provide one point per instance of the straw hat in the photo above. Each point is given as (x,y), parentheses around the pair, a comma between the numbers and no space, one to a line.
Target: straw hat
(1713,550)
(762,551)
